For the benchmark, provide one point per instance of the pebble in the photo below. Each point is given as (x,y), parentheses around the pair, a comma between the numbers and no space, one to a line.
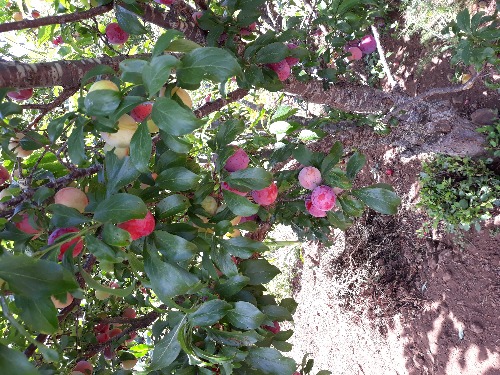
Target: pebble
(476,327)
(484,116)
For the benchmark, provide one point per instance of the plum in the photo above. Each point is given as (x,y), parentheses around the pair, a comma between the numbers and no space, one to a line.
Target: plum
(282,69)
(313,210)
(72,197)
(309,178)
(25,226)
(115,34)
(266,196)
(142,111)
(84,367)
(139,227)
(77,242)
(237,161)
(274,329)
(20,95)
(323,198)
(355,52)
(225,186)
(367,44)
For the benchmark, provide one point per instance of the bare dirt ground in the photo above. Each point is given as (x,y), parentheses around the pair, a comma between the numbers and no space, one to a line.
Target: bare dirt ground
(384,301)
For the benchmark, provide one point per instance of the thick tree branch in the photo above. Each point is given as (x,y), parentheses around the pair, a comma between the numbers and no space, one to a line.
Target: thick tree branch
(55,20)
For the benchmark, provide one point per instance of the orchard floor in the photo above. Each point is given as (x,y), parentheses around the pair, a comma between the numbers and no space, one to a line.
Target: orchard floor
(382,300)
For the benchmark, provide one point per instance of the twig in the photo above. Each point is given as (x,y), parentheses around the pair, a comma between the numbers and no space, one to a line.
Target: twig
(6,210)
(55,20)
(312,11)
(381,52)
(215,105)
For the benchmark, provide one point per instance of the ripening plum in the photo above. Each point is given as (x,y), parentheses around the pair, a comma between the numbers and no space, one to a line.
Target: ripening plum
(196,15)
(237,161)
(323,198)
(355,53)
(225,186)
(84,367)
(4,175)
(72,197)
(59,304)
(282,69)
(266,196)
(25,226)
(129,313)
(15,146)
(309,178)
(104,84)
(77,242)
(139,227)
(115,34)
(20,95)
(274,329)
(292,60)
(122,138)
(165,2)
(313,210)
(142,111)
(367,44)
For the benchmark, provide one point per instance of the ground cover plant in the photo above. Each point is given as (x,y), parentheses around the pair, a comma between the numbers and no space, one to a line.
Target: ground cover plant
(138,191)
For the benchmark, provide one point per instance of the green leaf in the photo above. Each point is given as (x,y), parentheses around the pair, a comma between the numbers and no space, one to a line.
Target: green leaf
(228,131)
(76,145)
(378,198)
(174,248)
(176,144)
(167,279)
(13,362)
(102,102)
(119,173)
(243,247)
(98,286)
(246,316)
(132,70)
(209,313)
(119,208)
(303,155)
(141,146)
(33,141)
(338,220)
(182,45)
(355,164)
(332,158)
(250,179)
(129,21)
(172,205)
(463,20)
(9,108)
(166,350)
(56,127)
(270,361)
(114,236)
(97,71)
(272,53)
(337,178)
(64,217)
(232,285)
(350,206)
(239,205)
(260,271)
(39,314)
(100,249)
(156,73)
(210,63)
(165,40)
(173,118)
(177,179)
(35,278)
(233,338)
(277,312)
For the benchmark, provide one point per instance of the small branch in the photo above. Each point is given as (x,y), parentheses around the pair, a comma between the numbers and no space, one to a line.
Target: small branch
(202,4)
(436,91)
(5,208)
(381,52)
(46,108)
(215,105)
(312,11)
(53,20)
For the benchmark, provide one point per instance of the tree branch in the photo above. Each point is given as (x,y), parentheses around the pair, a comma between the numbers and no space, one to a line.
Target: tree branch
(5,208)
(215,105)
(54,20)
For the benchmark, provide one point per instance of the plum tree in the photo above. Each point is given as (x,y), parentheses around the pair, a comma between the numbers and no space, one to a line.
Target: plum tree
(75,243)
(72,197)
